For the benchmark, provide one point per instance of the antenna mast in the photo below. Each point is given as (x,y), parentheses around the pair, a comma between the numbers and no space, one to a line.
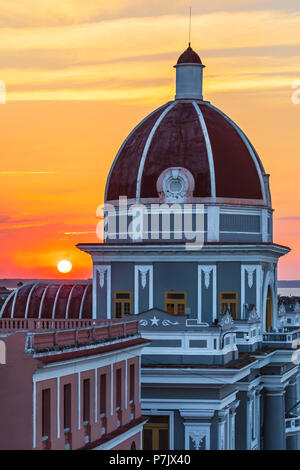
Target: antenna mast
(190,26)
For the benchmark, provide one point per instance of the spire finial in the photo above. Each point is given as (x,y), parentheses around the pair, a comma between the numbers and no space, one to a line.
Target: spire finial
(190,26)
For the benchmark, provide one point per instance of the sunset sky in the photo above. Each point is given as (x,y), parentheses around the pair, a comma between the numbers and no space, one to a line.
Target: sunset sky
(80,74)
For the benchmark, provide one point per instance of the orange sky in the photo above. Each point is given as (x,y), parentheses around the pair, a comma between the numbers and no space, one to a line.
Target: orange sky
(81,73)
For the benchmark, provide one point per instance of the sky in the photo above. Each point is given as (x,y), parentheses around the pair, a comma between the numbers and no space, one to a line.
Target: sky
(80,74)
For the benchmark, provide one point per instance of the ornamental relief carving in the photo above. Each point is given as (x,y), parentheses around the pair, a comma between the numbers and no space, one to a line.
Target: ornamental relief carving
(198,438)
(102,270)
(250,271)
(226,321)
(175,184)
(144,270)
(281,310)
(156,321)
(206,270)
(253,317)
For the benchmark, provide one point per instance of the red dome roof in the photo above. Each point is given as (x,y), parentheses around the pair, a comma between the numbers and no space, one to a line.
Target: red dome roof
(57,300)
(189,56)
(194,135)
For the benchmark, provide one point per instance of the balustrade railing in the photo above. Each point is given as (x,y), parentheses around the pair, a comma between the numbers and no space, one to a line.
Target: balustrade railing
(292,424)
(32,324)
(45,334)
(286,335)
(11,324)
(43,340)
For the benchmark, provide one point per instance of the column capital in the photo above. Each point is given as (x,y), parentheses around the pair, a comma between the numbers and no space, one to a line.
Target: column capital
(233,406)
(222,415)
(250,395)
(191,415)
(293,380)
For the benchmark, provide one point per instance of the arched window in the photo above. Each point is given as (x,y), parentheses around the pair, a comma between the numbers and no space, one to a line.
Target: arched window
(133,446)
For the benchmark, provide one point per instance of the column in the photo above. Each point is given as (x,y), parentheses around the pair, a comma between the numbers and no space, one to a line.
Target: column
(222,421)
(292,441)
(298,382)
(251,419)
(274,418)
(258,418)
(232,413)
(213,223)
(291,397)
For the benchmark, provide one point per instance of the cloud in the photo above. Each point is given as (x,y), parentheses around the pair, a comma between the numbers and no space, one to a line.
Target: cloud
(17,173)
(116,60)
(12,224)
(123,37)
(80,233)
(88,84)
(4,218)
(296,217)
(64,58)
(34,13)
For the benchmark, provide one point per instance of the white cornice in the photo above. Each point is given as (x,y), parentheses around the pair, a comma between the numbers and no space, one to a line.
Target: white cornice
(82,364)
(275,382)
(194,376)
(121,438)
(197,414)
(248,386)
(188,406)
(260,247)
(255,253)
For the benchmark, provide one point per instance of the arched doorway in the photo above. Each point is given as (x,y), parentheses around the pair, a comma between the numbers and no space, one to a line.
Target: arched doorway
(269,309)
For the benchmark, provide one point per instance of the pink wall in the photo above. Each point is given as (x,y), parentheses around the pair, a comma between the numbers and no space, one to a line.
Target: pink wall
(16,392)
(93,430)
(17,396)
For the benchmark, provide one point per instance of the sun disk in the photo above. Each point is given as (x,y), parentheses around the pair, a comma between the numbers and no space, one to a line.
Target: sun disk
(64,266)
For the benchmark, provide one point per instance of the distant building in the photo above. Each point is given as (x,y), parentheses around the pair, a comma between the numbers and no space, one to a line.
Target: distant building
(289,311)
(4,293)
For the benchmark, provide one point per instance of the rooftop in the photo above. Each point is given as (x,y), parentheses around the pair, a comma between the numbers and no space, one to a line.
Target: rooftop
(189,56)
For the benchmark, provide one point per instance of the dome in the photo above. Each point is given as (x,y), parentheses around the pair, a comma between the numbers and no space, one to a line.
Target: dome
(190,136)
(198,137)
(189,56)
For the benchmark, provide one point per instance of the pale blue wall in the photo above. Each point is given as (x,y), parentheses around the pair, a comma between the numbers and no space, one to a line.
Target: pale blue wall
(228,280)
(176,277)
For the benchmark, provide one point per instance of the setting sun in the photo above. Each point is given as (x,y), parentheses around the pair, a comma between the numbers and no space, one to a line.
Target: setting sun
(64,266)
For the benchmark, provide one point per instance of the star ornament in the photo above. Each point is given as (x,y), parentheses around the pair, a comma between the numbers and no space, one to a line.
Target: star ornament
(154,321)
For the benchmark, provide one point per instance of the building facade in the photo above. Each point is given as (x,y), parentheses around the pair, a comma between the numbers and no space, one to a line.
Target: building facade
(188,253)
